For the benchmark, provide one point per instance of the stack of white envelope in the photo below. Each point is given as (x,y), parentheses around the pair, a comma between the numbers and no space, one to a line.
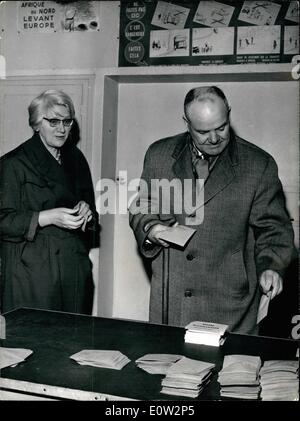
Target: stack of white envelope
(239,377)
(157,363)
(279,380)
(205,333)
(101,358)
(187,377)
(10,357)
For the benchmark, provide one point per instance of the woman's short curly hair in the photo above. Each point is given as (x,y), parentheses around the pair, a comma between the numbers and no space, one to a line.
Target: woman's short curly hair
(45,101)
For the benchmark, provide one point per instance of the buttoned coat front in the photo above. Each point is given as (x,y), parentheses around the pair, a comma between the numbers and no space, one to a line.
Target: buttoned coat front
(44,267)
(245,230)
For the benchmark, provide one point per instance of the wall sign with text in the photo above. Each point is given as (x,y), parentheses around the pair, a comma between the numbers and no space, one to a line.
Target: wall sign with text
(155,32)
(57,16)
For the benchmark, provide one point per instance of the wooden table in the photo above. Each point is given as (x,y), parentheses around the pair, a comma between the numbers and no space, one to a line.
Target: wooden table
(54,337)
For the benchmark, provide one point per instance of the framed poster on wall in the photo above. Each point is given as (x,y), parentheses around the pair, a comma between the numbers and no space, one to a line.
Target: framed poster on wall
(156,32)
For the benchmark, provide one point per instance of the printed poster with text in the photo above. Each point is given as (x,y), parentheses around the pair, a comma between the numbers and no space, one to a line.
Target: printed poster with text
(157,32)
(57,16)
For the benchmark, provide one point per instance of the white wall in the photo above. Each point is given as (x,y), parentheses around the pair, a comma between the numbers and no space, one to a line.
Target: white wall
(60,50)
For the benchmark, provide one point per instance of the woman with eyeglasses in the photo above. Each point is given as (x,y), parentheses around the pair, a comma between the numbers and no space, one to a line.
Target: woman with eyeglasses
(48,218)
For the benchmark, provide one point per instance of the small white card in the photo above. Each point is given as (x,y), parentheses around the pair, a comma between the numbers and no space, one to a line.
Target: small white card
(179,235)
(263,306)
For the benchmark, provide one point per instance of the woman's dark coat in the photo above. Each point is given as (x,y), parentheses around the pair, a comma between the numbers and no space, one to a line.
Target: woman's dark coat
(47,267)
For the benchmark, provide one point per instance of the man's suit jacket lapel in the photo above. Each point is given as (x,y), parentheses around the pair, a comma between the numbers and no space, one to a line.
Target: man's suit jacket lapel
(183,165)
(223,172)
(183,170)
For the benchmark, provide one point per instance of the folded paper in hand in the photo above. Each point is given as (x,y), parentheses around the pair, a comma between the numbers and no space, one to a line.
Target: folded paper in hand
(263,306)
(179,235)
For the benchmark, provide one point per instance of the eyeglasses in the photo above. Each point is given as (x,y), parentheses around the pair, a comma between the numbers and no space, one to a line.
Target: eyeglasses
(55,122)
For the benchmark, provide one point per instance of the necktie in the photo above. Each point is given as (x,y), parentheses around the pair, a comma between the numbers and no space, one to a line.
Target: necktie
(199,161)
(201,167)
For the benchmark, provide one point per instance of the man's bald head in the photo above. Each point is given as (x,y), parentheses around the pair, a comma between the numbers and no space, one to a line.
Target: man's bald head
(204,94)
(207,117)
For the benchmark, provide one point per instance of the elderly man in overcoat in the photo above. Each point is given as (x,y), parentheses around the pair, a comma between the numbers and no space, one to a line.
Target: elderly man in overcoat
(243,243)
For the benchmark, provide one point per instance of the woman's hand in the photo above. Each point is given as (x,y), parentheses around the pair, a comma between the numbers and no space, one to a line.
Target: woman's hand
(83,209)
(61,217)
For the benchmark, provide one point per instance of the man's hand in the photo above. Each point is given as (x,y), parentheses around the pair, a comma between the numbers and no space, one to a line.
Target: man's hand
(271,281)
(154,233)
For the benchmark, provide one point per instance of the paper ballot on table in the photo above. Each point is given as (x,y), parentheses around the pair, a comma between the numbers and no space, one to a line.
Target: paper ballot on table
(279,380)
(239,376)
(179,235)
(263,306)
(101,358)
(10,357)
(157,363)
(190,367)
(241,363)
(187,377)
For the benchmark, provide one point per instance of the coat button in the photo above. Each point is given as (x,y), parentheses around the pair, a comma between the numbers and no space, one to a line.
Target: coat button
(188,293)
(190,257)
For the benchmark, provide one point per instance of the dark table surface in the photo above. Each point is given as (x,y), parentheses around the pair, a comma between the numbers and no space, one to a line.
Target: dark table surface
(54,337)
